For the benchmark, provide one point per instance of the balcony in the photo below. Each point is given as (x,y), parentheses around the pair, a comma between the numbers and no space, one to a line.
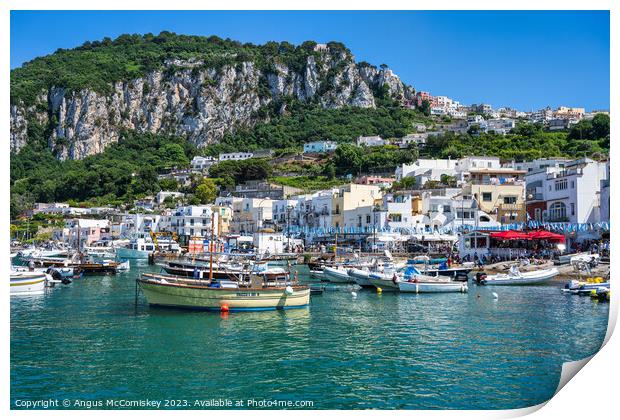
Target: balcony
(511,207)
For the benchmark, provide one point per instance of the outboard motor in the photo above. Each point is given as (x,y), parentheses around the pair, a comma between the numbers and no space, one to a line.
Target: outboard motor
(481,277)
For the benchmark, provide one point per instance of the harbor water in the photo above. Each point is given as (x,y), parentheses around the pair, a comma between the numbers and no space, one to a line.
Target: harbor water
(88,341)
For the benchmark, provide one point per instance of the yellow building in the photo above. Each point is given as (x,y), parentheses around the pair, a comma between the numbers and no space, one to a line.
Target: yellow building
(500,192)
(349,199)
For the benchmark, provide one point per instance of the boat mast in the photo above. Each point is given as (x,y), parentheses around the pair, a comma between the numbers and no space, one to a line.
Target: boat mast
(211,248)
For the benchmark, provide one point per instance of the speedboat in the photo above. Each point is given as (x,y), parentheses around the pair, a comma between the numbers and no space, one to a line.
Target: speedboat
(138,248)
(385,281)
(514,277)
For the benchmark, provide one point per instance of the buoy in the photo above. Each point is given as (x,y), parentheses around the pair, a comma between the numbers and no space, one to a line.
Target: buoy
(354,294)
(598,280)
(495,295)
(589,280)
(379,290)
(224,308)
(288,290)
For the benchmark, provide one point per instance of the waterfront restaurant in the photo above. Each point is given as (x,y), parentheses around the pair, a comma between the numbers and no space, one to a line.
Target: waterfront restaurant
(509,244)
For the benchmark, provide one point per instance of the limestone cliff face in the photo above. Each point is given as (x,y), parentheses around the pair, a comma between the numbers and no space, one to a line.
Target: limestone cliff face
(202,104)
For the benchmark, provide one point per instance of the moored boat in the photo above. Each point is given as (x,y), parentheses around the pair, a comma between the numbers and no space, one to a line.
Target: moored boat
(187,293)
(28,282)
(514,277)
(361,277)
(337,275)
(432,287)
(385,281)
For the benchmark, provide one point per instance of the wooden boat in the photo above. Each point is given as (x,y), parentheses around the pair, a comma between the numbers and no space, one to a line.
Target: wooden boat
(432,286)
(28,282)
(226,272)
(187,293)
(516,278)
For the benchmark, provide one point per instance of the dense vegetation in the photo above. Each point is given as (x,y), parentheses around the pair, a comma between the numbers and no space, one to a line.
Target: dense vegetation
(526,141)
(303,122)
(97,64)
(125,170)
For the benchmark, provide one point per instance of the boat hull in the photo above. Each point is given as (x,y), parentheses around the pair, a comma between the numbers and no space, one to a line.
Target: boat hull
(213,299)
(335,275)
(526,279)
(27,283)
(387,285)
(361,277)
(433,287)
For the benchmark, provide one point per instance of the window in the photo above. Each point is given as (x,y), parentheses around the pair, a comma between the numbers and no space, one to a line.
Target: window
(396,217)
(561,184)
(487,196)
(368,218)
(572,184)
(510,200)
(572,209)
(557,212)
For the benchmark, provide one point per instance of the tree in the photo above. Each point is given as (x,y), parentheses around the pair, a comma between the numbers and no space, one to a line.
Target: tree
(425,107)
(168,184)
(348,159)
(173,154)
(206,192)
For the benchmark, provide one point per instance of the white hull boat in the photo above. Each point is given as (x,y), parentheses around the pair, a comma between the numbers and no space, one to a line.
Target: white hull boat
(361,277)
(432,287)
(516,278)
(28,282)
(337,275)
(384,281)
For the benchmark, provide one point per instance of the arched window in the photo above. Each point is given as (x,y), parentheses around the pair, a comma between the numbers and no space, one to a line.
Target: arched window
(557,211)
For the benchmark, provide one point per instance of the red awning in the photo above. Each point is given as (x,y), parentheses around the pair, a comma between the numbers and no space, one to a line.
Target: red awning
(546,235)
(509,235)
(514,235)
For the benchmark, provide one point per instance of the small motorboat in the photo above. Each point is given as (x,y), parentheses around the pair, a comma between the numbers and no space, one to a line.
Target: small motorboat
(361,277)
(28,282)
(337,275)
(432,286)
(584,288)
(124,266)
(387,282)
(514,277)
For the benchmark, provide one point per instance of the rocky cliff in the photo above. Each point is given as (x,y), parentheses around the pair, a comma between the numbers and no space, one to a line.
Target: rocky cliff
(188,98)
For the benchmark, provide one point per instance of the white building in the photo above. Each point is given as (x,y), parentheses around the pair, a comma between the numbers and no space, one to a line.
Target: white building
(236,156)
(371,141)
(161,196)
(426,170)
(415,139)
(201,163)
(192,221)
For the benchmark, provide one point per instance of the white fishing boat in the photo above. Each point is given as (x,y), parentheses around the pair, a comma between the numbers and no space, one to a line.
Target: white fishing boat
(514,277)
(337,275)
(28,282)
(432,286)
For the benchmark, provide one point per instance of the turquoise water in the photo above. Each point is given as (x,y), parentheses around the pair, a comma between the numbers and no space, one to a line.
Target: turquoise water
(87,341)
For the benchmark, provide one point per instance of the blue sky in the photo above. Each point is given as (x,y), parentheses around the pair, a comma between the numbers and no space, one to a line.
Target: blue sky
(522,59)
